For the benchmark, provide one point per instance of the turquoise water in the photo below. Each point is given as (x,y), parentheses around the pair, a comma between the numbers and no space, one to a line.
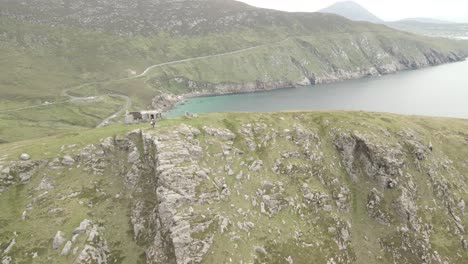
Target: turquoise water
(435,91)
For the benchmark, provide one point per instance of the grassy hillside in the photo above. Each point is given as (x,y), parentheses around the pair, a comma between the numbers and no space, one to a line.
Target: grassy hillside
(47,47)
(301,187)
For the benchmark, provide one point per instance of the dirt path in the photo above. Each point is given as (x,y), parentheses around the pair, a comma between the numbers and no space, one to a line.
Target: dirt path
(128,104)
(66,92)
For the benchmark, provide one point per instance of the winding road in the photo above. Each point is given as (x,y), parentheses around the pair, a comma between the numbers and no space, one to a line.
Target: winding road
(128,101)
(128,104)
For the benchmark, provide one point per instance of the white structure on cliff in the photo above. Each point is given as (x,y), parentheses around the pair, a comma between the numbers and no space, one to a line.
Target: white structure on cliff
(142,116)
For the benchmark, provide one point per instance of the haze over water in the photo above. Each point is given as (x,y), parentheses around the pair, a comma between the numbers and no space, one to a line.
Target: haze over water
(434,91)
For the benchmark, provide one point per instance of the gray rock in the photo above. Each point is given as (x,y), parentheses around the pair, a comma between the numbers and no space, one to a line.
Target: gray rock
(92,254)
(6,260)
(256,165)
(188,131)
(406,207)
(361,155)
(107,143)
(25,177)
(260,250)
(134,156)
(58,240)
(461,206)
(274,203)
(10,246)
(44,185)
(236,238)
(5,173)
(68,161)
(66,249)
(266,185)
(25,157)
(417,149)
(224,224)
(374,207)
(83,226)
(345,234)
(240,176)
(223,134)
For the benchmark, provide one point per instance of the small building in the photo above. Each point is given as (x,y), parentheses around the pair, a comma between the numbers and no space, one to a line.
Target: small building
(142,116)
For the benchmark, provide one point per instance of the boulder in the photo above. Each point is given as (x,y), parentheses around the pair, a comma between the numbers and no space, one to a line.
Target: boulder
(266,185)
(25,157)
(107,144)
(44,185)
(5,173)
(68,161)
(66,249)
(83,226)
(260,250)
(25,177)
(256,165)
(10,246)
(58,240)
(222,134)
(6,260)
(464,244)
(188,131)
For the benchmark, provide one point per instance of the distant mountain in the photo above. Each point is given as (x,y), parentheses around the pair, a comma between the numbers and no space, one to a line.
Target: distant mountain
(426,20)
(352,11)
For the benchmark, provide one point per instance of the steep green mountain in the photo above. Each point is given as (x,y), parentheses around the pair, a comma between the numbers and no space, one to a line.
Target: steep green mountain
(353,11)
(51,51)
(303,187)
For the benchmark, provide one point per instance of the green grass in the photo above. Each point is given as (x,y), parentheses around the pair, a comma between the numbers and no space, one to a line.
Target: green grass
(316,242)
(38,62)
(55,119)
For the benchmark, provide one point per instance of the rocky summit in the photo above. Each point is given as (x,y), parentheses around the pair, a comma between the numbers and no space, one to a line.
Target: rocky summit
(302,187)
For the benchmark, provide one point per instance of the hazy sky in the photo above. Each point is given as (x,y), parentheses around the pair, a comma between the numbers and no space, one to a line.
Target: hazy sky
(385,9)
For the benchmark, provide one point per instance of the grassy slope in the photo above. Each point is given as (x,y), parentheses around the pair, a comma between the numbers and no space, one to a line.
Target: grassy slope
(448,136)
(38,62)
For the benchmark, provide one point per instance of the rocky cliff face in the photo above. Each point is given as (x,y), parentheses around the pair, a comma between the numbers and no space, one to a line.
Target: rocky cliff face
(312,69)
(258,188)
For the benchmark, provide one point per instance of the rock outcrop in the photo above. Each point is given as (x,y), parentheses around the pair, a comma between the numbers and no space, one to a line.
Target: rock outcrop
(259,188)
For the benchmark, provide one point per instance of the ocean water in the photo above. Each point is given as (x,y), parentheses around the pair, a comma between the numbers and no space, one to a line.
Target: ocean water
(434,91)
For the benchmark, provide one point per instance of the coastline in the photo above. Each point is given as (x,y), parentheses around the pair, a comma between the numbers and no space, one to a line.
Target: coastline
(291,85)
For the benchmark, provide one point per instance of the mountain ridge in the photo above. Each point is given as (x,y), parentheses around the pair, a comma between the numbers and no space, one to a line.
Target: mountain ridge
(353,11)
